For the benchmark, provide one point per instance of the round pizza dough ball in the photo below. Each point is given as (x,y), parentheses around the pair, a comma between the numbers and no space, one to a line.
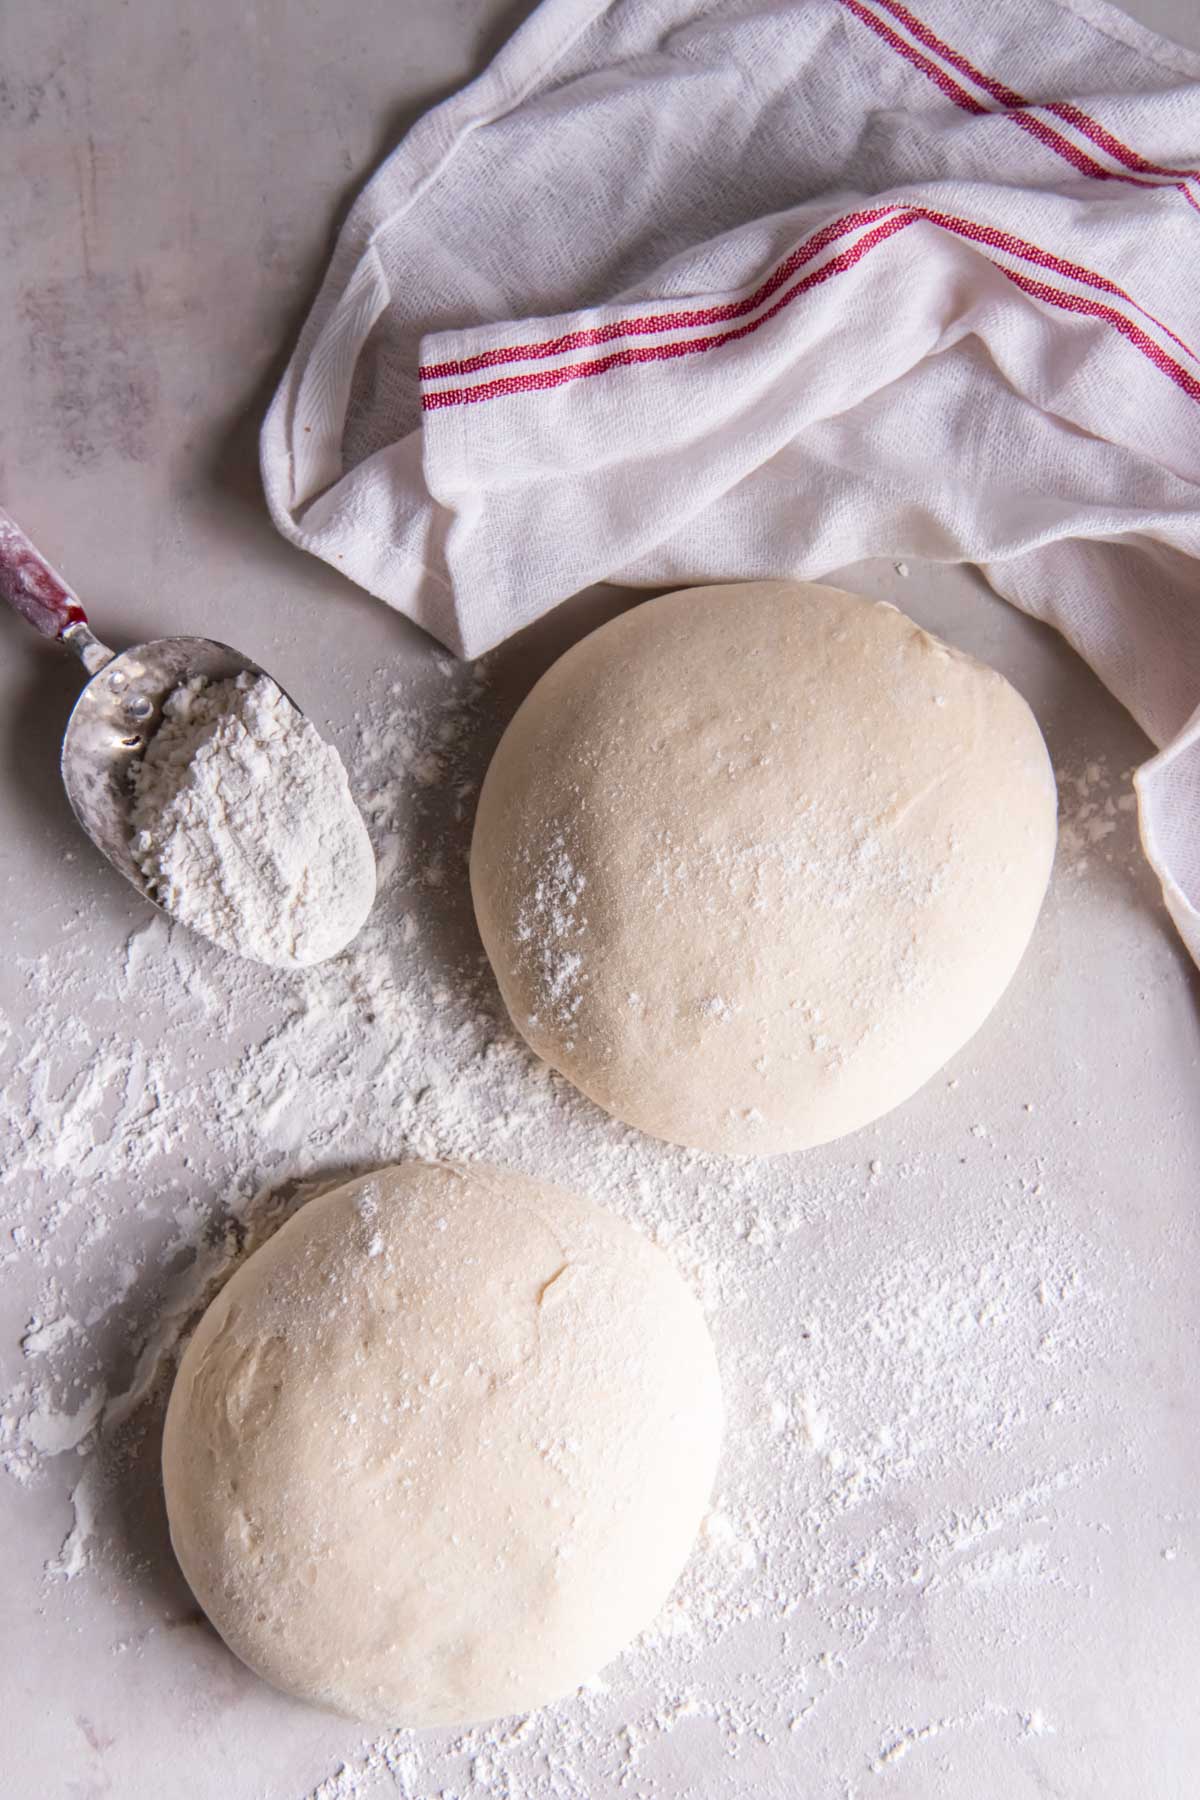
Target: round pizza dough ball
(751,862)
(439,1449)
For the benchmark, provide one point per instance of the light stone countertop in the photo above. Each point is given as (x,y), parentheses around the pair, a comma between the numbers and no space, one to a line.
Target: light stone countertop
(172,178)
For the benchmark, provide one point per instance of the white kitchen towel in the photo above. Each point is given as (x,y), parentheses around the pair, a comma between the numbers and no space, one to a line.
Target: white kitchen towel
(683,292)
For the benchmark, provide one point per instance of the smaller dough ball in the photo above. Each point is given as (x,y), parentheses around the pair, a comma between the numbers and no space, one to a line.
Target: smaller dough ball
(440,1448)
(752,862)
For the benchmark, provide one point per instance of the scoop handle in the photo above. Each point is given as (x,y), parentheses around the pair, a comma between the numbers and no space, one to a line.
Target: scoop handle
(32,587)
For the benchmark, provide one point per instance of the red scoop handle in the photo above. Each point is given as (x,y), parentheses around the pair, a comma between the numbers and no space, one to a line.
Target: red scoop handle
(32,587)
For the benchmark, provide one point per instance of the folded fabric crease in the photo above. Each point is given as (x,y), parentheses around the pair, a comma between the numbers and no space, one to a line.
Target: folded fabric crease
(677,295)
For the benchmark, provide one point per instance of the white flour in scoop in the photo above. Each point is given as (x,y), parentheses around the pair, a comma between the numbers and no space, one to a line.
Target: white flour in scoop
(245,827)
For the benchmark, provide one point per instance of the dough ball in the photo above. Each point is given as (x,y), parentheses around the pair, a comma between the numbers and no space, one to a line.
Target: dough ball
(751,862)
(440,1448)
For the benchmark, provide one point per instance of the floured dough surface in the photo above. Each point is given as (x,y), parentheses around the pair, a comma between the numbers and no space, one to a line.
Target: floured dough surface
(440,1448)
(752,862)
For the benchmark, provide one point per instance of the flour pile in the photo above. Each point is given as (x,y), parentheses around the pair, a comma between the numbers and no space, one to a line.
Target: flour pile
(245,827)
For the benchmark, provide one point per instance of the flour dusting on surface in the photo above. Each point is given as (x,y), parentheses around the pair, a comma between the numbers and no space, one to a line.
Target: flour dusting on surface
(908,1340)
(550,928)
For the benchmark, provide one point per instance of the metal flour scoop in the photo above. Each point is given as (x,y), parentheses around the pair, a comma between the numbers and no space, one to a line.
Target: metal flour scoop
(121,706)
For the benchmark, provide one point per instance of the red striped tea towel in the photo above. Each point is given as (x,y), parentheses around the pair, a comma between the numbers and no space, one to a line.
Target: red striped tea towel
(681,292)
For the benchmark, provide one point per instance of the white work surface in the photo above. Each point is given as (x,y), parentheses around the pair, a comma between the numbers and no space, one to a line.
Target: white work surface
(956,1550)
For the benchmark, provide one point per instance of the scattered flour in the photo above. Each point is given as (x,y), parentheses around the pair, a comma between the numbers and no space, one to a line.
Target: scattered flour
(245,826)
(550,927)
(906,1346)
(1093,804)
